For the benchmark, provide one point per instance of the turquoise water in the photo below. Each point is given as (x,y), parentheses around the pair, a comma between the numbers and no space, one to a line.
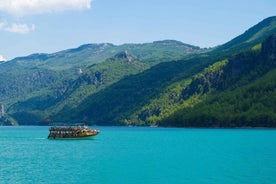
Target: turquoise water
(139,155)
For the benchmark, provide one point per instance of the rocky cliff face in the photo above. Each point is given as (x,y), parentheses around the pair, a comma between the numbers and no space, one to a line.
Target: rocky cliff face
(94,78)
(124,55)
(4,121)
(269,49)
(2,110)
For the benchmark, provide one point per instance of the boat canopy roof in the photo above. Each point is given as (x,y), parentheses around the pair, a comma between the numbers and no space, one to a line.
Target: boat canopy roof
(59,124)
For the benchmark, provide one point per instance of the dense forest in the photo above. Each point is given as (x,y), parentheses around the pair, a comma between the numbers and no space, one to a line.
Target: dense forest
(164,83)
(242,93)
(237,91)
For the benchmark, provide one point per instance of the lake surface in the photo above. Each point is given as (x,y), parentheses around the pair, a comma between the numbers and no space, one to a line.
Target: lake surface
(134,155)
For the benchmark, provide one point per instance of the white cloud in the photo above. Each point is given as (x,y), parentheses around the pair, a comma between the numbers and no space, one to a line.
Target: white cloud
(17,27)
(29,7)
(2,58)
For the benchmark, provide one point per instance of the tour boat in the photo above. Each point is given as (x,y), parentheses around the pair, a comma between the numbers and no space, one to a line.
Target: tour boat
(71,132)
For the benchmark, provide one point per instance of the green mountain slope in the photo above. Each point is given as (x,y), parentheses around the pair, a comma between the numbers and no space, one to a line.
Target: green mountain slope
(252,105)
(165,83)
(240,93)
(252,36)
(167,90)
(119,100)
(35,86)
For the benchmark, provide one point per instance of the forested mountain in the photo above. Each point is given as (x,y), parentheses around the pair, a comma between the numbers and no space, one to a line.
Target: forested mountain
(237,92)
(35,86)
(164,83)
(165,92)
(252,36)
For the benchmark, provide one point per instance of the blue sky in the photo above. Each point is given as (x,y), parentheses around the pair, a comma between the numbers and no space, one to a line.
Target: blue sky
(47,26)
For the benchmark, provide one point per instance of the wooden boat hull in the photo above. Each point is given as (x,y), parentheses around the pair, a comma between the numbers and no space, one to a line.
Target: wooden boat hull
(72,137)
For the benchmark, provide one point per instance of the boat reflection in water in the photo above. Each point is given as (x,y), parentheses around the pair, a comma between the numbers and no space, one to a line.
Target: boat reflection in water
(76,131)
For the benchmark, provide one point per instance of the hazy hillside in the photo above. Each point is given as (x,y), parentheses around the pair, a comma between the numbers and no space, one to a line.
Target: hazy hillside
(35,86)
(166,91)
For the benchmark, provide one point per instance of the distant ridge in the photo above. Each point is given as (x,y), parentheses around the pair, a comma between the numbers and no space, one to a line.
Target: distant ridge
(36,86)
(175,42)
(252,36)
